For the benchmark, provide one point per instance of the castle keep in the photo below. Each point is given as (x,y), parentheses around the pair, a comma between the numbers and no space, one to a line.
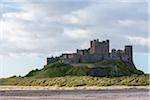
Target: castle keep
(98,51)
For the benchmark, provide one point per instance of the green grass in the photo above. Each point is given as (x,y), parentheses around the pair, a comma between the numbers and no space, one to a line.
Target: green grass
(118,64)
(76,81)
(57,70)
(61,69)
(66,75)
(122,66)
(135,71)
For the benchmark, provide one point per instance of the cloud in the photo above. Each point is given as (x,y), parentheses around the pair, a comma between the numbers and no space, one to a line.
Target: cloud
(114,22)
(127,23)
(35,28)
(76,33)
(113,17)
(140,42)
(56,27)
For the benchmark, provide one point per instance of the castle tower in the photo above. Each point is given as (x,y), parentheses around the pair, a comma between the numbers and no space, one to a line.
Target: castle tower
(97,47)
(93,46)
(128,51)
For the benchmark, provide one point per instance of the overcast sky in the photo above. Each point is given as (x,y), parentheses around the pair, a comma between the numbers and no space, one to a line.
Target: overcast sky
(31,30)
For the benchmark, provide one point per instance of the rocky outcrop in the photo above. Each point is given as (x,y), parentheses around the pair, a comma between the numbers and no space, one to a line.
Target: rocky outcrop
(109,68)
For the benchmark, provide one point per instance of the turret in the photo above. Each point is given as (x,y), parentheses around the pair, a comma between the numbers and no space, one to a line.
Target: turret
(128,52)
(93,45)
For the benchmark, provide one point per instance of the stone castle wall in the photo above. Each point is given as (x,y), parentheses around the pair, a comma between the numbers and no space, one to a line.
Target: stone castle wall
(97,47)
(97,51)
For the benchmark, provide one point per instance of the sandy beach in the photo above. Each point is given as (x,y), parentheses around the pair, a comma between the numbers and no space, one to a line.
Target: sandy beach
(70,88)
(78,93)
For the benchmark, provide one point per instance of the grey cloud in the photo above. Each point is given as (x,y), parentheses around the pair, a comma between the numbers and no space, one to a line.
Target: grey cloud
(103,19)
(46,29)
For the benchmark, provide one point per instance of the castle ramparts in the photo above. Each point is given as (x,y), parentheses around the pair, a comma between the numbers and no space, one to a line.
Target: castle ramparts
(98,51)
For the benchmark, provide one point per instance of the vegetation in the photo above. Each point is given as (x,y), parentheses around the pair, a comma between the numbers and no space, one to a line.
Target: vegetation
(57,70)
(81,69)
(73,75)
(76,81)
(121,65)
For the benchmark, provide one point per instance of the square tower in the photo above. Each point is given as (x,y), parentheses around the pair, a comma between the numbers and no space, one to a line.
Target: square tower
(97,47)
(128,52)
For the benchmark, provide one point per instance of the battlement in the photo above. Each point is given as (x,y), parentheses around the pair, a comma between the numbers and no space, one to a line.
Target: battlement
(97,51)
(52,59)
(83,51)
(97,47)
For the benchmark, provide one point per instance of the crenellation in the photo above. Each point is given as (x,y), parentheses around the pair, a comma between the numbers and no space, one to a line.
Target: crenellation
(82,52)
(52,59)
(97,51)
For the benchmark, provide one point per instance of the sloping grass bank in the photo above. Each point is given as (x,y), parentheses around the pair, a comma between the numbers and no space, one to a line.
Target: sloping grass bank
(76,81)
(57,70)
(83,69)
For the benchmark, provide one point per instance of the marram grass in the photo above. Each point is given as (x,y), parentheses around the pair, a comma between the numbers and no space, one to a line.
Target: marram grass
(76,81)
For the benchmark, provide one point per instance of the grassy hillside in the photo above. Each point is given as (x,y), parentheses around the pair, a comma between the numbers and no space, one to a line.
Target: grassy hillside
(84,69)
(75,81)
(122,65)
(57,70)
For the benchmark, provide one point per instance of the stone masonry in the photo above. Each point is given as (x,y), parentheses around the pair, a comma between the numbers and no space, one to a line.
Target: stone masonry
(98,51)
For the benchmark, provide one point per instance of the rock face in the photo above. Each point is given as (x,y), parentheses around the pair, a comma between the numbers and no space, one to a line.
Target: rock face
(110,71)
(98,72)
(109,68)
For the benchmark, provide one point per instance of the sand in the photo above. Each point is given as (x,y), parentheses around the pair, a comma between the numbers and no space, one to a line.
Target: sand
(80,93)
(69,88)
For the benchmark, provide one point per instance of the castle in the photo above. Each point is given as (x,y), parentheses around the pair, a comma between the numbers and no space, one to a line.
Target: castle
(98,51)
